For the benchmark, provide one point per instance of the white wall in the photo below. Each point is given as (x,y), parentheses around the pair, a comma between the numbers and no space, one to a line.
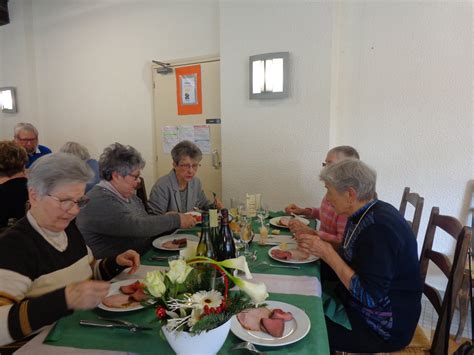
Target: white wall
(392,78)
(276,146)
(92,65)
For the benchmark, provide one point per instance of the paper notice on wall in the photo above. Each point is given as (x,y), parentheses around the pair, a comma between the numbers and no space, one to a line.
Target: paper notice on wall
(202,138)
(186,133)
(170,138)
(199,135)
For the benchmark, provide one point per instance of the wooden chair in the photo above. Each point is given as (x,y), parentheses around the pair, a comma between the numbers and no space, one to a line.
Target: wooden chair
(142,195)
(417,202)
(452,270)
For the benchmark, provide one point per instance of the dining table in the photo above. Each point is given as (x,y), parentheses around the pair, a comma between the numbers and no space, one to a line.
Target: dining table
(299,287)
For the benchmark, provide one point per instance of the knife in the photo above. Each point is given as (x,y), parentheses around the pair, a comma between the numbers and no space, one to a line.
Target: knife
(131,327)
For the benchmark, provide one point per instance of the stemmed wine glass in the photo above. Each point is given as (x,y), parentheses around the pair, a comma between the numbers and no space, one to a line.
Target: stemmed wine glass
(246,234)
(262,212)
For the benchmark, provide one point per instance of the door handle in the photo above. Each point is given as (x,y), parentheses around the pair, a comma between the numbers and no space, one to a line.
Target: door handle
(216,161)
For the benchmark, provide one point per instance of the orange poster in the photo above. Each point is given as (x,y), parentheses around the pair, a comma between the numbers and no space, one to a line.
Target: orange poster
(188,90)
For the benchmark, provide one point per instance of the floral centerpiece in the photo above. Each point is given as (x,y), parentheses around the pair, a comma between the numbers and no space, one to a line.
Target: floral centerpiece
(182,307)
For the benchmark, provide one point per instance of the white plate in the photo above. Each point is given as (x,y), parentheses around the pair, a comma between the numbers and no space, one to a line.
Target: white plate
(115,290)
(158,242)
(295,329)
(274,239)
(274,221)
(310,259)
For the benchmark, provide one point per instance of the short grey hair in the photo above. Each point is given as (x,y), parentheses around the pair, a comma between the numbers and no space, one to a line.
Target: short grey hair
(54,170)
(22,126)
(351,173)
(122,159)
(346,151)
(185,149)
(76,149)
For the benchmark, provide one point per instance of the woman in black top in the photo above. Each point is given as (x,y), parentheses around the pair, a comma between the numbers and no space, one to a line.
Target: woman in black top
(13,190)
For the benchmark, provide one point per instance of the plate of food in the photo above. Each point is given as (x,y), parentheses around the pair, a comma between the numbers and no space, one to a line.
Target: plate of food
(290,254)
(124,296)
(282,222)
(276,324)
(197,216)
(174,241)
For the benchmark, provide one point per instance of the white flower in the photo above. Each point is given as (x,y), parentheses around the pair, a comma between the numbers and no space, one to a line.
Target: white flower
(179,271)
(211,299)
(257,291)
(239,263)
(155,284)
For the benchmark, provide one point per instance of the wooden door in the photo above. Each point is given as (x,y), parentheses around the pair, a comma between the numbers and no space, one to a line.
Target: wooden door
(166,115)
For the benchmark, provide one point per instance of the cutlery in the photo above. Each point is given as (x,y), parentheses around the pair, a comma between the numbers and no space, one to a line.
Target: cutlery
(281,266)
(157,258)
(114,323)
(248,346)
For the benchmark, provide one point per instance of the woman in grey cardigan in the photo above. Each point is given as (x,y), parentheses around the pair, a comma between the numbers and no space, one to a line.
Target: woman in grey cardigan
(181,190)
(115,219)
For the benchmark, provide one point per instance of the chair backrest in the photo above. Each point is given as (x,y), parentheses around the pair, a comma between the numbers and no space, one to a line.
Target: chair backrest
(142,195)
(452,270)
(417,202)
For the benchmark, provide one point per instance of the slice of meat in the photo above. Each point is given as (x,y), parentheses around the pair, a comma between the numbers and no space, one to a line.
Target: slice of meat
(281,254)
(273,326)
(119,301)
(279,313)
(132,288)
(139,296)
(284,221)
(299,255)
(250,318)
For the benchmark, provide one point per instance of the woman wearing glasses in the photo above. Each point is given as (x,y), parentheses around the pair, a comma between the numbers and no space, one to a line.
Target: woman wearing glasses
(116,219)
(181,190)
(45,266)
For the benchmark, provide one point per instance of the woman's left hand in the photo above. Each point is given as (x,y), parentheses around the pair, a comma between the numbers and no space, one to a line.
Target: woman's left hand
(314,245)
(218,203)
(130,258)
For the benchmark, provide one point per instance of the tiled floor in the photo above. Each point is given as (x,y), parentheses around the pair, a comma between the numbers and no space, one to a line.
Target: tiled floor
(429,317)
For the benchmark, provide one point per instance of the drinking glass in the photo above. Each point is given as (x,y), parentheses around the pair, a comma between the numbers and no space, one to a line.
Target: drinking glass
(262,212)
(246,234)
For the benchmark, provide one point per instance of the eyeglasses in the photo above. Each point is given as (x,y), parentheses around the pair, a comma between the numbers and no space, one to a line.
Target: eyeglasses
(136,177)
(68,203)
(27,140)
(189,166)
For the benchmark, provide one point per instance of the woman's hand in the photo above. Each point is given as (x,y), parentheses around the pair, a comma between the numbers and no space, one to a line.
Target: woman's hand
(298,227)
(86,294)
(292,208)
(186,220)
(130,258)
(218,203)
(314,245)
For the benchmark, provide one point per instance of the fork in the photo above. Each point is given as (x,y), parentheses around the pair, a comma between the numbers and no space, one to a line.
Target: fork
(248,346)
(281,266)
(133,327)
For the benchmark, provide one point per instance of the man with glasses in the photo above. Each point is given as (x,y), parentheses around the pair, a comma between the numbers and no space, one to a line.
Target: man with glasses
(332,225)
(26,135)
(180,190)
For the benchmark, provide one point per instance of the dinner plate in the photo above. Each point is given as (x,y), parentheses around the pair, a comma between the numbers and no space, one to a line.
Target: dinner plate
(115,290)
(158,242)
(310,259)
(275,221)
(295,329)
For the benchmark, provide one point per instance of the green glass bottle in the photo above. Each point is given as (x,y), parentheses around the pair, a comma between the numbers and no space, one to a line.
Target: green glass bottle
(205,246)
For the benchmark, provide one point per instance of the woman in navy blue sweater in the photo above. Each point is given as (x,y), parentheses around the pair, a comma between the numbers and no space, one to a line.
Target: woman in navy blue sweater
(376,265)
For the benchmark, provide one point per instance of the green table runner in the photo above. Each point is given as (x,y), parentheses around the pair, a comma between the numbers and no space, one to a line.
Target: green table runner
(68,332)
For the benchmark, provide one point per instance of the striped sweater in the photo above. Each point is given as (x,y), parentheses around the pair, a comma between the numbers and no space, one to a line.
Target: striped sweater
(34,274)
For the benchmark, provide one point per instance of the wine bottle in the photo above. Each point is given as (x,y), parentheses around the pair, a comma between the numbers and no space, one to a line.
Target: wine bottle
(205,246)
(214,227)
(226,246)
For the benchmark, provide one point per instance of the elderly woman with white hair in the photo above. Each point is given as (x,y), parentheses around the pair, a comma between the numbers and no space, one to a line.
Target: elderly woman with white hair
(376,264)
(116,219)
(45,266)
(82,152)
